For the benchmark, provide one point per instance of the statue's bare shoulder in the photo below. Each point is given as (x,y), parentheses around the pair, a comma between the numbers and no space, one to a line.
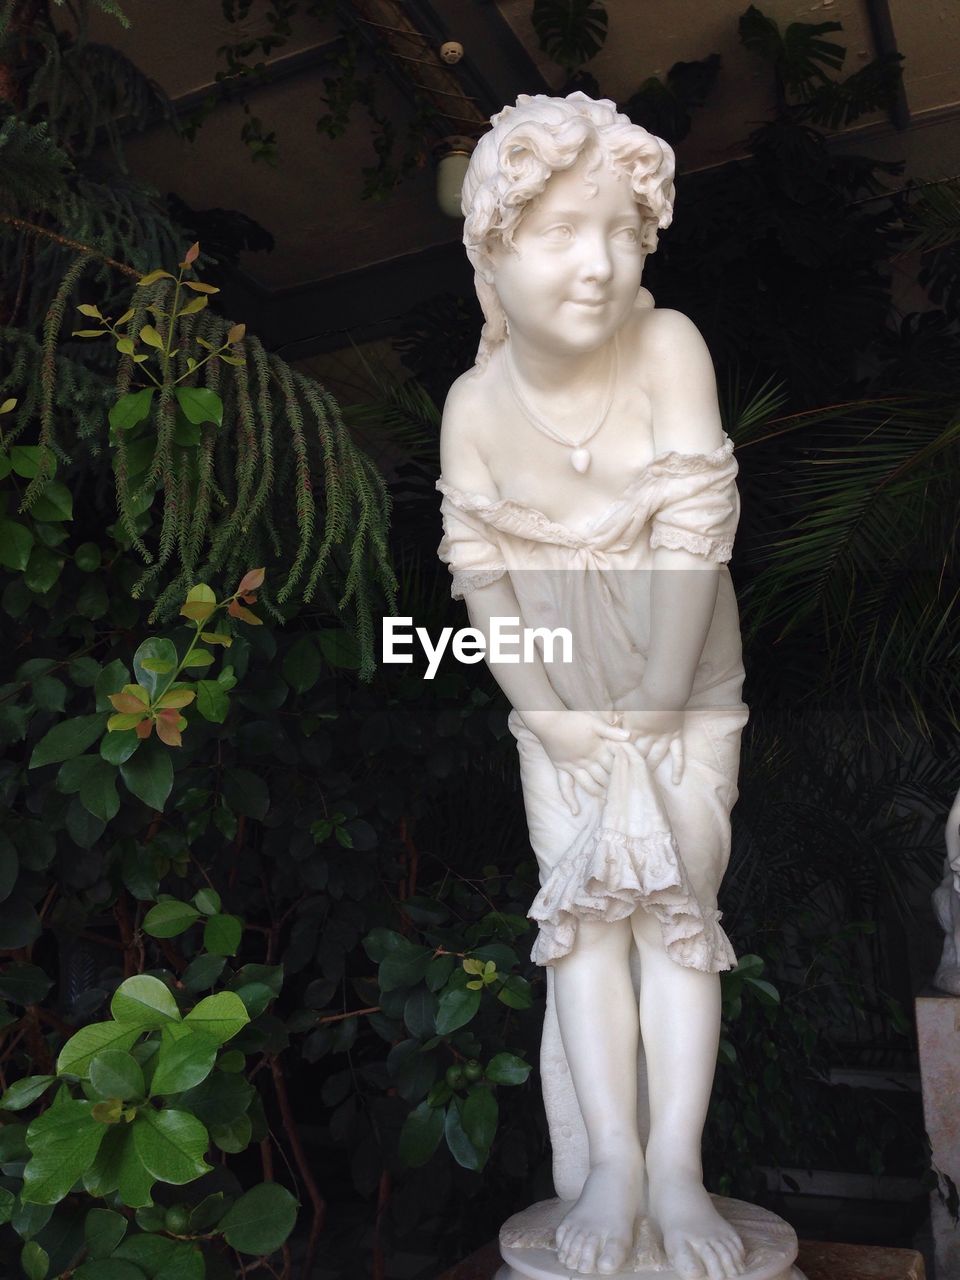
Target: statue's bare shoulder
(465,411)
(679,378)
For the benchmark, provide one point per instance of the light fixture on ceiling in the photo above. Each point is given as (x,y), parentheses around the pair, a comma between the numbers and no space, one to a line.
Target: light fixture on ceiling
(452,155)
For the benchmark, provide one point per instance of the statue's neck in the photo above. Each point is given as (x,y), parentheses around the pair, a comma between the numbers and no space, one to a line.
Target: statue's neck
(553,373)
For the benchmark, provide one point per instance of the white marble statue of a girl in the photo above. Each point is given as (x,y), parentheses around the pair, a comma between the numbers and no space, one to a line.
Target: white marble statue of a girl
(587,483)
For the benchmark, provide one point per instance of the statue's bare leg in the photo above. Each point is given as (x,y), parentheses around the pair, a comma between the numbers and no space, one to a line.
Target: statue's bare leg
(599,1026)
(680,1023)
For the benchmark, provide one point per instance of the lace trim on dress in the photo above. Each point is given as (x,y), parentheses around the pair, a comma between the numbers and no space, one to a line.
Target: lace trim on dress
(612,875)
(511,516)
(718,549)
(467,580)
(688,464)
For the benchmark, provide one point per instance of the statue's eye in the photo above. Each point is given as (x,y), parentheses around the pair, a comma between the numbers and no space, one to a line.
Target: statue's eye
(629,234)
(559,231)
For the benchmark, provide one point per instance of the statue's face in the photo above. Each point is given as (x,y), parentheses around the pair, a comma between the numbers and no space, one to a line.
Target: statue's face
(573,274)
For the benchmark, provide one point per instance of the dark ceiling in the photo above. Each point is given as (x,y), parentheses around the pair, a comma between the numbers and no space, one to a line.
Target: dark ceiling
(344,268)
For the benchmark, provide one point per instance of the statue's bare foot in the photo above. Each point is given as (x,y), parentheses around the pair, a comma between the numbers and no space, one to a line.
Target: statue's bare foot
(597,1234)
(698,1242)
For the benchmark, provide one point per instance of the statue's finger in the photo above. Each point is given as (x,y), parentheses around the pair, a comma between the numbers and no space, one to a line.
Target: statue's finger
(568,791)
(587,782)
(677,756)
(612,731)
(597,773)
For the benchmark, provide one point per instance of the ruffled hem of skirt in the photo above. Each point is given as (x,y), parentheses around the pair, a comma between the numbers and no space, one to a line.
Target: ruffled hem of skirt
(613,875)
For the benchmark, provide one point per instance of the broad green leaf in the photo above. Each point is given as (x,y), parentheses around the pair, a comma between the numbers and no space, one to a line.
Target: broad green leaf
(108,1269)
(16,543)
(457,1006)
(115,1074)
(131,409)
(67,739)
(149,775)
(98,791)
(169,918)
(42,571)
(145,1002)
(21,1093)
(507,1068)
(34,1260)
(7,1204)
(234,1136)
(151,1253)
(209,1211)
(199,658)
(151,337)
(63,1142)
(516,993)
(460,1146)
(161,654)
(49,693)
(194,305)
(26,460)
(24,983)
(302,664)
(208,901)
(103,1229)
(109,681)
(27,1219)
(479,1117)
(221,934)
(200,603)
(88,557)
(171,1144)
(185,1058)
(72,774)
(260,1221)
(84,1045)
(339,648)
(54,503)
(200,404)
(152,276)
(219,1016)
(213,702)
(404,966)
(117,747)
(123,722)
(202,972)
(175,699)
(420,1135)
(112,1162)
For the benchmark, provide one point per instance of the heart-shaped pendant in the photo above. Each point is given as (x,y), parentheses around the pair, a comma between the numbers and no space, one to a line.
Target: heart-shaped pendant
(580,460)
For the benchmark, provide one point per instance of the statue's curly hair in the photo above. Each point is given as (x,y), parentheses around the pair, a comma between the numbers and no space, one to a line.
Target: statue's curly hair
(525,145)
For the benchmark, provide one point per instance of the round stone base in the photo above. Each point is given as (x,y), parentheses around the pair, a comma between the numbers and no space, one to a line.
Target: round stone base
(527,1248)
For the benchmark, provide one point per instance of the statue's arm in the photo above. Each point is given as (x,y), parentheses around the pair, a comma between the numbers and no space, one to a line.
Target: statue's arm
(686,418)
(525,684)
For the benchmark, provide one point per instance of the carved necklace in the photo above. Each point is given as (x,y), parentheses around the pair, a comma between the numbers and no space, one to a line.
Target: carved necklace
(580,457)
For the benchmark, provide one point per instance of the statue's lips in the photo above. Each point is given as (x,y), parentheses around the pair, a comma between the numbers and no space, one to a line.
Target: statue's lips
(593,303)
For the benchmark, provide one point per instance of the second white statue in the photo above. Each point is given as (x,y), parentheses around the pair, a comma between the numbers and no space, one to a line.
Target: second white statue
(587,483)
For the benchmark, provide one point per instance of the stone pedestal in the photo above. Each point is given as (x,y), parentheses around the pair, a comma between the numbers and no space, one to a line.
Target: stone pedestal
(938,1033)
(818,1262)
(526,1245)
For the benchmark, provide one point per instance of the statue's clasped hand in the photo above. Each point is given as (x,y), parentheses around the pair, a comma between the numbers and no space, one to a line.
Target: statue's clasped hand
(580,745)
(658,733)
